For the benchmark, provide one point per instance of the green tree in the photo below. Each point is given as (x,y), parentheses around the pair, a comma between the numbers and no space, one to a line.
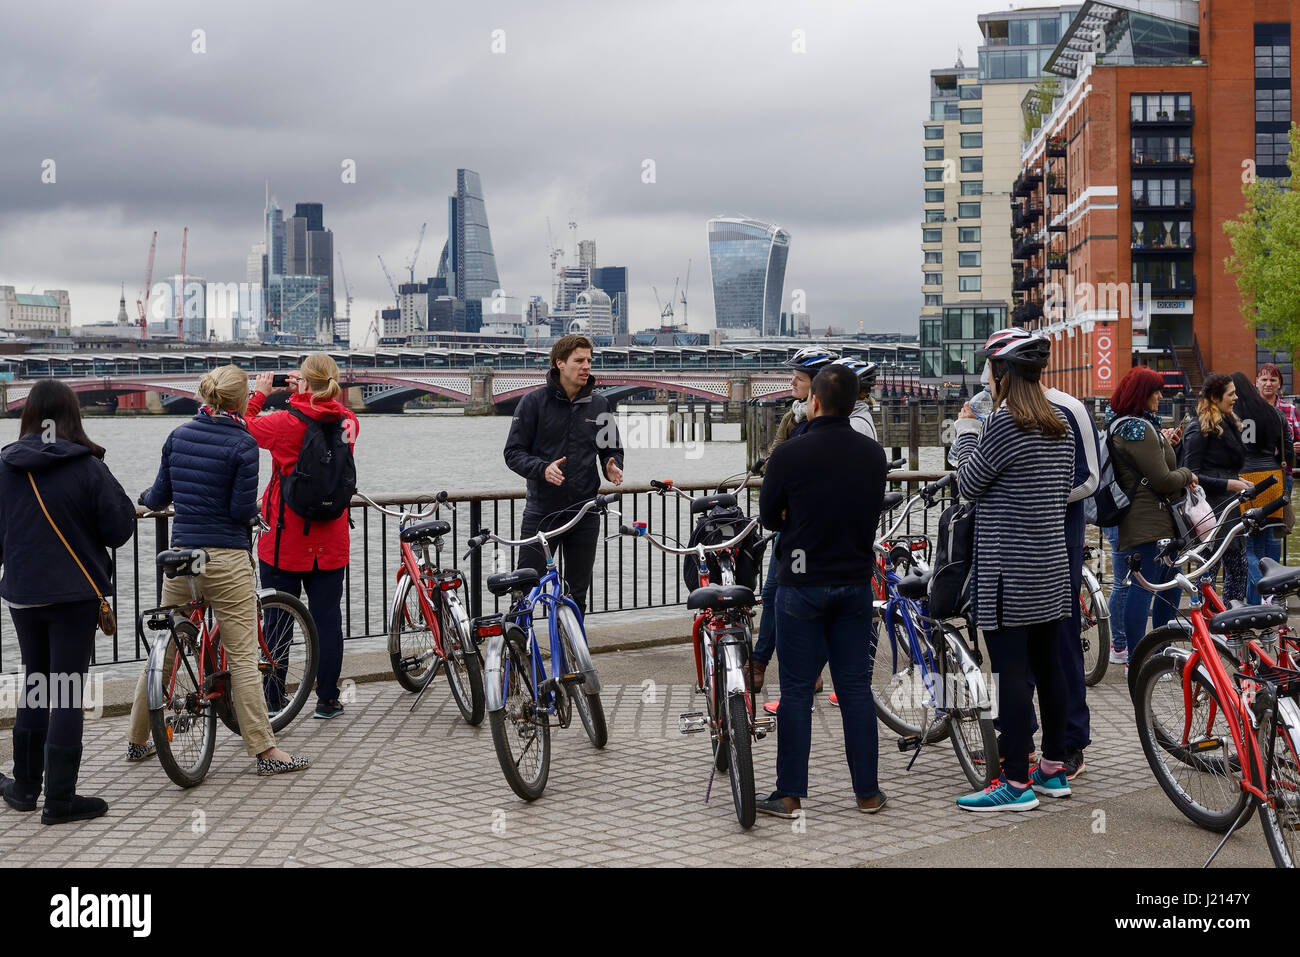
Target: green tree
(1039,103)
(1265,256)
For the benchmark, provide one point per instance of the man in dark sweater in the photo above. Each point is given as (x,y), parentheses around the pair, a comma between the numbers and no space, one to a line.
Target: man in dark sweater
(562,438)
(823,490)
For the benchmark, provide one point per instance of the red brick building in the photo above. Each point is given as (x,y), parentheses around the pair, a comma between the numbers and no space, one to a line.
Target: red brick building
(1117,214)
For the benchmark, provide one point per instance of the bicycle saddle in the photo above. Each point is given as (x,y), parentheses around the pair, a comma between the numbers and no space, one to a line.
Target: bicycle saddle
(710,502)
(521,579)
(915,586)
(891,501)
(1247,618)
(720,596)
(1277,579)
(423,531)
(181,561)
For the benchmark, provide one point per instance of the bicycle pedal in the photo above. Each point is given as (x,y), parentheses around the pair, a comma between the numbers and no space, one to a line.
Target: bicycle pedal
(764,725)
(692,722)
(909,742)
(574,679)
(1205,744)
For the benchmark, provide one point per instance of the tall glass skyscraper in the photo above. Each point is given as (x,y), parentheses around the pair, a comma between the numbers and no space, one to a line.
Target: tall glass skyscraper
(468,262)
(747,260)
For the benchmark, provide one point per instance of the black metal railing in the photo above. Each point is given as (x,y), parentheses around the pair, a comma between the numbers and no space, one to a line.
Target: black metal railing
(628,576)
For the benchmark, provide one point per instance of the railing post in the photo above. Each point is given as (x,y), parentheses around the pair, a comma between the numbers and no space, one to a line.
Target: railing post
(475,561)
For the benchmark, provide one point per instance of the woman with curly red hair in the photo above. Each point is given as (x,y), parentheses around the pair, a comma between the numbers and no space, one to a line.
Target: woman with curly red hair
(1146,464)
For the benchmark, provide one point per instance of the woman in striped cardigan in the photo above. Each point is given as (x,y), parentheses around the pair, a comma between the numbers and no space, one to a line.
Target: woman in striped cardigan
(1018,470)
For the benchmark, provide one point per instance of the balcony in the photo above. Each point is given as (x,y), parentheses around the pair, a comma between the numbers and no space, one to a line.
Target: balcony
(1185,201)
(1033,176)
(1026,313)
(1025,215)
(1058,261)
(1169,286)
(1055,185)
(1165,118)
(1026,246)
(1056,146)
(1163,159)
(1027,279)
(1185,244)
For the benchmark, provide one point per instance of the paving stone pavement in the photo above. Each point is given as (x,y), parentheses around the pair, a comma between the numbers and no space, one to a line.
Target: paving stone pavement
(393,787)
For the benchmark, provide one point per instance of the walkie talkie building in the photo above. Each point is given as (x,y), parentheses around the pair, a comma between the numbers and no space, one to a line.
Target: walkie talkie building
(747,261)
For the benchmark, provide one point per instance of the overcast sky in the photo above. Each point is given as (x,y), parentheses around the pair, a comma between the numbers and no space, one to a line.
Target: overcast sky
(146,134)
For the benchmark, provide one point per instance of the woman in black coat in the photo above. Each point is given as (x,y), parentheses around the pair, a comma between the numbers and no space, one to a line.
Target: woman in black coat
(1213,449)
(54,607)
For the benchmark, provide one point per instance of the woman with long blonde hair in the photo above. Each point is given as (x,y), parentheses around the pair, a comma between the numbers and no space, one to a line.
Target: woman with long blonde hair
(299,554)
(209,474)
(1213,449)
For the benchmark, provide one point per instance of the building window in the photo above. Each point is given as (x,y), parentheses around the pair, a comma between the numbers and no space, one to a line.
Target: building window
(932,279)
(968,234)
(968,283)
(1271,149)
(933,299)
(959,358)
(1162,149)
(932,235)
(1167,192)
(972,187)
(933,256)
(934,132)
(970,92)
(968,259)
(939,110)
(972,164)
(934,174)
(972,116)
(934,216)
(930,333)
(972,141)
(968,210)
(934,195)
(933,153)
(1159,107)
(1273,106)
(1273,60)
(930,365)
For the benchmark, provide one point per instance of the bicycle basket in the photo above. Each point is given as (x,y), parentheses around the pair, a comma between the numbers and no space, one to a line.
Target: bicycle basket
(722,524)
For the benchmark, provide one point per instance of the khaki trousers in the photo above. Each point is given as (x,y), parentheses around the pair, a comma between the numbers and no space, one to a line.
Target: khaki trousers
(230,587)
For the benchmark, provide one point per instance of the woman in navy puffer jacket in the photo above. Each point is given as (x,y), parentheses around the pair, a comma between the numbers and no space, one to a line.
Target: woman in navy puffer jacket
(209,473)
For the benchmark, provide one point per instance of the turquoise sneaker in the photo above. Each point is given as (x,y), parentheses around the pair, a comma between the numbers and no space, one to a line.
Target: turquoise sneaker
(1053,785)
(999,796)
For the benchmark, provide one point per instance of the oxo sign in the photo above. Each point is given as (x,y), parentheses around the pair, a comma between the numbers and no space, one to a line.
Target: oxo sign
(1103,358)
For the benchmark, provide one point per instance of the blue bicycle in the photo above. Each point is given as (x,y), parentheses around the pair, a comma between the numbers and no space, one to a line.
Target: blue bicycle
(933,687)
(521,698)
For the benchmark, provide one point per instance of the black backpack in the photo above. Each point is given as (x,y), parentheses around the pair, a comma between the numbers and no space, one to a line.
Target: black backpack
(324,478)
(954,560)
(721,524)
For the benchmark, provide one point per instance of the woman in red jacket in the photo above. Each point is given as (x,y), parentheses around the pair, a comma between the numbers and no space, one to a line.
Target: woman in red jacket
(296,555)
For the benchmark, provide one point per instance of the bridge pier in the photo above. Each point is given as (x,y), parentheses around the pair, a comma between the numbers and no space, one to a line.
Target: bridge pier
(480,392)
(354,399)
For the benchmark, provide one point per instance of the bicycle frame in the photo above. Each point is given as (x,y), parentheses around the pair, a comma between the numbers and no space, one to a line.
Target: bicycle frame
(426,576)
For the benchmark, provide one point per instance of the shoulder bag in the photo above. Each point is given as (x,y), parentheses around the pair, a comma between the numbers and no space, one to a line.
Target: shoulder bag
(107,620)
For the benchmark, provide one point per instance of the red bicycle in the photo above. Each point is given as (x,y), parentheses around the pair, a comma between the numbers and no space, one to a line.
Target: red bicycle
(1221,744)
(428,627)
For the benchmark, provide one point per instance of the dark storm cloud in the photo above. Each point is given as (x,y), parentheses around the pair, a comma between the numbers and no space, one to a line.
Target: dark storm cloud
(149,135)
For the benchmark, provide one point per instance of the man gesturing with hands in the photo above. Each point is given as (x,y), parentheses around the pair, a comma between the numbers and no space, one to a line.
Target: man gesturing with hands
(562,438)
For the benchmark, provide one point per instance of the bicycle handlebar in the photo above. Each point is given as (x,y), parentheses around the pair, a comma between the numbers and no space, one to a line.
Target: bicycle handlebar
(1249,523)
(486,535)
(896,464)
(641,532)
(1180,551)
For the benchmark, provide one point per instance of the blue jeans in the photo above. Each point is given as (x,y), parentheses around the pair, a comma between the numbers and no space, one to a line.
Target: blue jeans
(1078,733)
(1260,545)
(1118,592)
(817,624)
(324,596)
(1138,603)
(766,643)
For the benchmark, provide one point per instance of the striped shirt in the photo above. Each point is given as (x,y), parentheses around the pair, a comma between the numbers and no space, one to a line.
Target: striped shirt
(1020,482)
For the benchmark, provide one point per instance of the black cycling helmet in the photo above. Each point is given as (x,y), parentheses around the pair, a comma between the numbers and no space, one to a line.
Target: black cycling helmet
(865,371)
(810,359)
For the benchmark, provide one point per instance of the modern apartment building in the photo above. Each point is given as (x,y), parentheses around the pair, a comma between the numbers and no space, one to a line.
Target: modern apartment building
(1125,187)
(971,146)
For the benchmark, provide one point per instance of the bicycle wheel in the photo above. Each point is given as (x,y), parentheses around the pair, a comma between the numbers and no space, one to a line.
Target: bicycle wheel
(288,657)
(185,727)
(409,634)
(1094,634)
(521,737)
(740,764)
(464,668)
(588,706)
(899,682)
(974,738)
(1280,814)
(1202,777)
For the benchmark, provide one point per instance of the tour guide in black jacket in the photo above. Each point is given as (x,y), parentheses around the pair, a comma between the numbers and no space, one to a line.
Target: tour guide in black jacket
(562,436)
(823,490)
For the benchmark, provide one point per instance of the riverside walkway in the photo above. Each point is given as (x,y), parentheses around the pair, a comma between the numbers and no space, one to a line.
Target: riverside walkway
(391,787)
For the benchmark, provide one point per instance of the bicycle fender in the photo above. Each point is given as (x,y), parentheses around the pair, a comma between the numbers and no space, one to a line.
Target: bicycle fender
(735,669)
(584,664)
(265,593)
(1176,630)
(1288,714)
(1180,656)
(494,672)
(395,640)
(1094,589)
(974,678)
(154,670)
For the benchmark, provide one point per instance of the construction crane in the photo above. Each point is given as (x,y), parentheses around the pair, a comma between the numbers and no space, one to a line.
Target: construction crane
(556,253)
(347,294)
(573,228)
(391,285)
(684,289)
(180,296)
(148,287)
(410,267)
(666,312)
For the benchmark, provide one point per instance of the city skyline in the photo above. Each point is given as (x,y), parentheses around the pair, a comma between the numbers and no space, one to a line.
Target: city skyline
(192,140)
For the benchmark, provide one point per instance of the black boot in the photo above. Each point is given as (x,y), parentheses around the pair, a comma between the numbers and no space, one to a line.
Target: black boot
(29,769)
(62,803)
